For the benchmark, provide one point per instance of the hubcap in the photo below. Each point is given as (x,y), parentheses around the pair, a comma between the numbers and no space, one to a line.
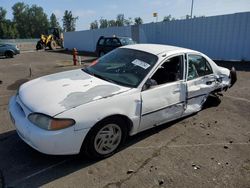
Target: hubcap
(108,139)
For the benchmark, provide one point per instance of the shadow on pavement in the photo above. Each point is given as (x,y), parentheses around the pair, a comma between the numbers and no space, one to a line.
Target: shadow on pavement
(22,166)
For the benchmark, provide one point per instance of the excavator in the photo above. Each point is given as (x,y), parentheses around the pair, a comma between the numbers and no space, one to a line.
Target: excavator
(52,40)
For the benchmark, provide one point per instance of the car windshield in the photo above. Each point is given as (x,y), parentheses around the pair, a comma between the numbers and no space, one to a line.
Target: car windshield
(126,41)
(126,67)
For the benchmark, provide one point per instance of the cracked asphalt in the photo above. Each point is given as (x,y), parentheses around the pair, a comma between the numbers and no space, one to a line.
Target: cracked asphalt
(208,149)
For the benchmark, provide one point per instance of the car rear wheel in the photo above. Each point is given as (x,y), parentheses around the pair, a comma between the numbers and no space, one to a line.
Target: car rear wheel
(9,54)
(52,45)
(105,138)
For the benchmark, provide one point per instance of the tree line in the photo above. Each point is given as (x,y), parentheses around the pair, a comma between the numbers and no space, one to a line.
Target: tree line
(31,22)
(122,21)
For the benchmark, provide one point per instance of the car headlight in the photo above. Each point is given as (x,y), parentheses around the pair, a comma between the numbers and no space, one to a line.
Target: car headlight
(49,123)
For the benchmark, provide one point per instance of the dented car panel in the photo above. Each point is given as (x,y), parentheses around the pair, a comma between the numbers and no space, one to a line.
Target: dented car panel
(174,83)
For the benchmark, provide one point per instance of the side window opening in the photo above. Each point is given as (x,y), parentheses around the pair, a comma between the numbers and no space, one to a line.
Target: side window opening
(169,71)
(198,66)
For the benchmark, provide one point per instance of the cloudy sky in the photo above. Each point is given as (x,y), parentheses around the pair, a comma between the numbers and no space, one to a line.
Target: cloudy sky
(88,11)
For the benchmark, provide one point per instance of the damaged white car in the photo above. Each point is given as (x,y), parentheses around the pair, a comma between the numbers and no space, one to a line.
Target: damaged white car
(127,91)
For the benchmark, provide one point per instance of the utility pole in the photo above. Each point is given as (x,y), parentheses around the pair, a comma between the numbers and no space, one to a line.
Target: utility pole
(192,6)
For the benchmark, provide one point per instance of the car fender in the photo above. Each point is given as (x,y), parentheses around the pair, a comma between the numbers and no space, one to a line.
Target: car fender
(127,104)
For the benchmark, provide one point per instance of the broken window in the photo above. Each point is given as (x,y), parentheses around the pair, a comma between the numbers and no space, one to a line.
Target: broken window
(169,71)
(198,66)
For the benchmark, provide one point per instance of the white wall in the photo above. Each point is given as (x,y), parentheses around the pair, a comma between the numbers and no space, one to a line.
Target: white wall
(86,40)
(225,37)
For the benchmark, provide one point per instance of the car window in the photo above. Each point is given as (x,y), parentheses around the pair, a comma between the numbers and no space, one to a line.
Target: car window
(101,41)
(112,42)
(198,66)
(126,41)
(171,70)
(123,66)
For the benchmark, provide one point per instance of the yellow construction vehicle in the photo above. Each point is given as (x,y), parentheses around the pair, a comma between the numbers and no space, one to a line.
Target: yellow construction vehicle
(53,39)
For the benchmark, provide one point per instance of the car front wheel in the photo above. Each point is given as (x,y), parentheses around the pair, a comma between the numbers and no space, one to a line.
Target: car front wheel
(9,54)
(105,138)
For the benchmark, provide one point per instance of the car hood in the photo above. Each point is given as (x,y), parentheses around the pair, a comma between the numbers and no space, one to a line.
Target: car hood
(59,92)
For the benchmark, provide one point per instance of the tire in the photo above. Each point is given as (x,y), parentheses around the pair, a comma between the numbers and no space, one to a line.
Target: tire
(9,54)
(104,139)
(52,45)
(39,45)
(101,53)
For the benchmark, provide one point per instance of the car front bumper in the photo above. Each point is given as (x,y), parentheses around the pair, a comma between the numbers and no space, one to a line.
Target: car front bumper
(61,142)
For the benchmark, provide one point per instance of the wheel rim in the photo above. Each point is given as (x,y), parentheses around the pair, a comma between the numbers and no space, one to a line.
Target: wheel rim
(108,139)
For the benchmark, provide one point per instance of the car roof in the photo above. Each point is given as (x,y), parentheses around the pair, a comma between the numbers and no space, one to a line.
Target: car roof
(157,49)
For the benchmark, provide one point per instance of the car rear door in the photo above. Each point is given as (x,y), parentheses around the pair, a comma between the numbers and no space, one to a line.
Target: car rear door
(200,82)
(164,101)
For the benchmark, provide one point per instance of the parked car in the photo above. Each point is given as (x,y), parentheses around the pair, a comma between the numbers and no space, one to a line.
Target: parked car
(9,50)
(129,90)
(107,44)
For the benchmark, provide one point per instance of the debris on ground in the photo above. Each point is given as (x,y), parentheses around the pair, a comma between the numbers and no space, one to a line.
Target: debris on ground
(1,81)
(225,147)
(161,182)
(196,167)
(230,141)
(130,171)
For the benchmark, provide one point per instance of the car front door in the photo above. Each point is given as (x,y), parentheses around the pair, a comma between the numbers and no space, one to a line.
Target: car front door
(200,82)
(164,101)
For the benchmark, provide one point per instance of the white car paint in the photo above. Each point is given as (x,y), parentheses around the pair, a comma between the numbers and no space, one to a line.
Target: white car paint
(87,100)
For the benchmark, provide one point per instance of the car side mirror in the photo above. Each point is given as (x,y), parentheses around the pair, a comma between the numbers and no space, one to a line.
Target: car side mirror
(150,82)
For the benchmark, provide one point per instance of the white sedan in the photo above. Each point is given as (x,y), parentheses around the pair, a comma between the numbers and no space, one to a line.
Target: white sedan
(127,91)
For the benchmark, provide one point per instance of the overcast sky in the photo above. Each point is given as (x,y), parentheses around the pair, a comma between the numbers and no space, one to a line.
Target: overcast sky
(88,11)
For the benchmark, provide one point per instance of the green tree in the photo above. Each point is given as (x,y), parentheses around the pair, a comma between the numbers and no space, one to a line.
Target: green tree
(3,13)
(2,22)
(188,17)
(120,20)
(38,21)
(94,25)
(128,21)
(7,28)
(167,18)
(103,23)
(112,23)
(20,18)
(69,21)
(138,21)
(53,21)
